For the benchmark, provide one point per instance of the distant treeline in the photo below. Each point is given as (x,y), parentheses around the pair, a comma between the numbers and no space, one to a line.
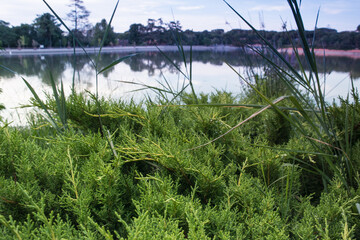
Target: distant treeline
(46,32)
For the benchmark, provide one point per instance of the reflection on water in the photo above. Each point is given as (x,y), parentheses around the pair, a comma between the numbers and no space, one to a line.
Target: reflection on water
(40,66)
(209,72)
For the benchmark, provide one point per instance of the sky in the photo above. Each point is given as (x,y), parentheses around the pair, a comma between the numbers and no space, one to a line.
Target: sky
(197,15)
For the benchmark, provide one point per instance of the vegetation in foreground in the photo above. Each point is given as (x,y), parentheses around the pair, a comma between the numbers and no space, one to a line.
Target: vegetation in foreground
(144,181)
(287,168)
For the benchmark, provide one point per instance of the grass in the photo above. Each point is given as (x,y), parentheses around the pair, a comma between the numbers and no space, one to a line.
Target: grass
(208,166)
(321,133)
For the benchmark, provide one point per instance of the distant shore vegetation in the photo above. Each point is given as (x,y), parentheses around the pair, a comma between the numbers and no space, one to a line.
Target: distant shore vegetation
(45,31)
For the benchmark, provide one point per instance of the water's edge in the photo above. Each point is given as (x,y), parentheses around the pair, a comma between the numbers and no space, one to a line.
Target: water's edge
(56,51)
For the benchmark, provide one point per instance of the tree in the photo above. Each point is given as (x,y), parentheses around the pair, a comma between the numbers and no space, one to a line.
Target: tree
(150,25)
(135,32)
(99,32)
(358,28)
(79,15)
(174,26)
(7,35)
(48,30)
(26,33)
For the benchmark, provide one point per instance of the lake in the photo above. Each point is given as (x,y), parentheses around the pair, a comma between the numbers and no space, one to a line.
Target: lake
(209,72)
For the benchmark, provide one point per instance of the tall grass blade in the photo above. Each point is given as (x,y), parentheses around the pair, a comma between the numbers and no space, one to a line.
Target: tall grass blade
(242,122)
(71,32)
(106,31)
(267,43)
(60,101)
(145,86)
(172,63)
(247,106)
(265,98)
(191,78)
(63,105)
(37,98)
(43,106)
(319,120)
(116,62)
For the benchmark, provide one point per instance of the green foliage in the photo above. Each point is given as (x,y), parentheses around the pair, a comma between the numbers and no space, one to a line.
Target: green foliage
(48,30)
(126,170)
(315,123)
(71,185)
(1,105)
(153,227)
(99,31)
(7,36)
(134,34)
(157,32)
(27,33)
(78,15)
(328,220)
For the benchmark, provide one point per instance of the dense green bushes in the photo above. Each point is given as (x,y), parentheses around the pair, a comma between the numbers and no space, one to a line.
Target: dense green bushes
(98,169)
(70,185)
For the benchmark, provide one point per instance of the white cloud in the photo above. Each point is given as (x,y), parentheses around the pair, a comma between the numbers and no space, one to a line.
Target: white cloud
(268,8)
(333,11)
(190,8)
(338,6)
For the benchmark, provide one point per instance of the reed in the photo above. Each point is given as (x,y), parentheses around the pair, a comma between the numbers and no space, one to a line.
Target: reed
(321,132)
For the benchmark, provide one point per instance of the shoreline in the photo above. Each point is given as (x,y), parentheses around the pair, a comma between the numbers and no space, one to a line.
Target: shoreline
(354,54)
(320,52)
(117,49)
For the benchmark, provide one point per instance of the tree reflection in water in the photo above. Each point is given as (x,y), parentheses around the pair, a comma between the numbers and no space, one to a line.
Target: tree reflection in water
(209,69)
(150,62)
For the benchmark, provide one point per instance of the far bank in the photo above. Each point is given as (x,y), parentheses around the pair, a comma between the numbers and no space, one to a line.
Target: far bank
(129,49)
(354,54)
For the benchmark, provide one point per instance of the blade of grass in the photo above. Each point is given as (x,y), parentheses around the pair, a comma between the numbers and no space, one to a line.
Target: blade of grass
(190,77)
(267,43)
(43,106)
(145,86)
(172,63)
(117,62)
(107,31)
(236,106)
(71,32)
(59,101)
(63,105)
(242,122)
(37,98)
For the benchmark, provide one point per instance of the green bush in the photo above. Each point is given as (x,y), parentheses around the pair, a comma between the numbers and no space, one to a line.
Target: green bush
(153,184)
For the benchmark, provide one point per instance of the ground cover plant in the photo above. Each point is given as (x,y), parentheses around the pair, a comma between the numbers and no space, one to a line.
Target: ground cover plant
(71,185)
(92,168)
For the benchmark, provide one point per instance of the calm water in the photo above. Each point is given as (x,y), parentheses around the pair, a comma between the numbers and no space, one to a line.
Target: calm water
(209,73)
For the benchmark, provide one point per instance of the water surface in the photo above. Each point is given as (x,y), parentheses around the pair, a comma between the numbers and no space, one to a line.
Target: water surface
(209,73)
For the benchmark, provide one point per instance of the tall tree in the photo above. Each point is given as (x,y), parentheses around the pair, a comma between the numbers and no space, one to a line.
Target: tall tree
(79,15)
(48,30)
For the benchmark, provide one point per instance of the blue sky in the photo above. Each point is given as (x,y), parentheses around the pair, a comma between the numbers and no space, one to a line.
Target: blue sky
(197,15)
